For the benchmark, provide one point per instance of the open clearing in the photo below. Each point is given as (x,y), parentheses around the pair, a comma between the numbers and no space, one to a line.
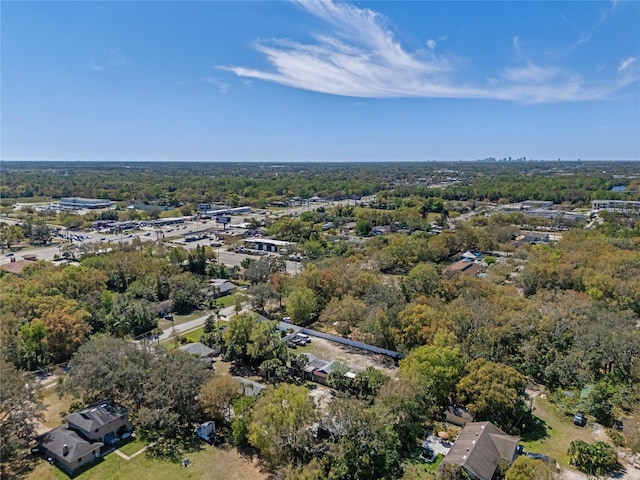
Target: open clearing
(557,432)
(210,463)
(355,358)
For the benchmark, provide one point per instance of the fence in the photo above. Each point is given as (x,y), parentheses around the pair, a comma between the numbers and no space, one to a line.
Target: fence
(353,343)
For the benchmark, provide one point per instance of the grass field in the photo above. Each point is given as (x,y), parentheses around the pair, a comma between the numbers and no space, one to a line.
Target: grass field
(556,432)
(209,463)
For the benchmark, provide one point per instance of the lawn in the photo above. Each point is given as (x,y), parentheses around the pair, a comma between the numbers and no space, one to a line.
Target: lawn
(209,463)
(180,319)
(133,446)
(226,301)
(193,335)
(555,432)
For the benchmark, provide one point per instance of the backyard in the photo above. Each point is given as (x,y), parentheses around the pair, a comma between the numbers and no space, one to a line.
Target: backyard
(556,431)
(208,463)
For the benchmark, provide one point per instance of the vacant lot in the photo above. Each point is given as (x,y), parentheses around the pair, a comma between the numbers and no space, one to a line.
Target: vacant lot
(354,358)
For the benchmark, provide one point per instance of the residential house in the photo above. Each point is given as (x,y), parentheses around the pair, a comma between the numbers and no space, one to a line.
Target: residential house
(250,388)
(201,351)
(458,415)
(81,440)
(479,449)
(222,287)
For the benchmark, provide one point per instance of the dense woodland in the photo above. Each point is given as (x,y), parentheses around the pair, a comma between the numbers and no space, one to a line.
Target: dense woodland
(563,315)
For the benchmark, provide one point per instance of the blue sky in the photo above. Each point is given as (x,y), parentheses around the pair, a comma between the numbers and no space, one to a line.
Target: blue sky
(320,81)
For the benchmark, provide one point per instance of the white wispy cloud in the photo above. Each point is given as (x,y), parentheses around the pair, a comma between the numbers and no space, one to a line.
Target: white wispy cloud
(107,59)
(362,57)
(625,64)
(222,86)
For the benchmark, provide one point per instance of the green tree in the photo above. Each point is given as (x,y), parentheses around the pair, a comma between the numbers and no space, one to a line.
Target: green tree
(19,412)
(260,294)
(369,381)
(170,407)
(526,468)
(495,392)
(188,292)
(597,458)
(279,426)
(367,446)
(107,367)
(439,368)
(302,305)
(242,411)
(259,271)
(237,336)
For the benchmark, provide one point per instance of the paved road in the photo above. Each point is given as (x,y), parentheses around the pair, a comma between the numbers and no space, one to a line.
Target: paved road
(224,314)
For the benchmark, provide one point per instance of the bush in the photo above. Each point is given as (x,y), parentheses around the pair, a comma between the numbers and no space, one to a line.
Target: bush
(593,458)
(616,437)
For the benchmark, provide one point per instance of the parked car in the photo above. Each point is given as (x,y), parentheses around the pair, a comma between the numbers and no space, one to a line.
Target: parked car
(292,345)
(580,419)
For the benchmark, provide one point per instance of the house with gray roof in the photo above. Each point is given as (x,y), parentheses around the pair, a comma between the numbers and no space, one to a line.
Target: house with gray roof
(81,440)
(69,450)
(479,449)
(201,351)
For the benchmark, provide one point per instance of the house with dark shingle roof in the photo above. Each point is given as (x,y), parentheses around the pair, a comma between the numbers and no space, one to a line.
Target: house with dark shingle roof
(69,450)
(80,441)
(479,449)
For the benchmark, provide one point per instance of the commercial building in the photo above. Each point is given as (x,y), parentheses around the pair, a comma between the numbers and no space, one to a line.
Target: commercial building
(623,206)
(91,203)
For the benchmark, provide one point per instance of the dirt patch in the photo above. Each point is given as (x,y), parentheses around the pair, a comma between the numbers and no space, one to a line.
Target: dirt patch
(55,408)
(355,358)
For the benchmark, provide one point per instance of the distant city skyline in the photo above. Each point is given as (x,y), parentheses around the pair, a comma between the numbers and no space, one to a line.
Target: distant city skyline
(320,81)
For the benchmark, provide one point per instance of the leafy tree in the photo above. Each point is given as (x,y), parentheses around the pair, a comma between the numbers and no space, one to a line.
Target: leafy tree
(601,401)
(66,323)
(597,458)
(170,405)
(367,446)
(302,305)
(11,235)
(260,294)
(422,279)
(107,367)
(451,471)
(188,292)
(279,426)
(344,314)
(265,343)
(494,392)
(409,404)
(439,368)
(336,378)
(242,410)
(526,468)
(217,395)
(237,336)
(19,411)
(369,381)
(419,325)
(259,271)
